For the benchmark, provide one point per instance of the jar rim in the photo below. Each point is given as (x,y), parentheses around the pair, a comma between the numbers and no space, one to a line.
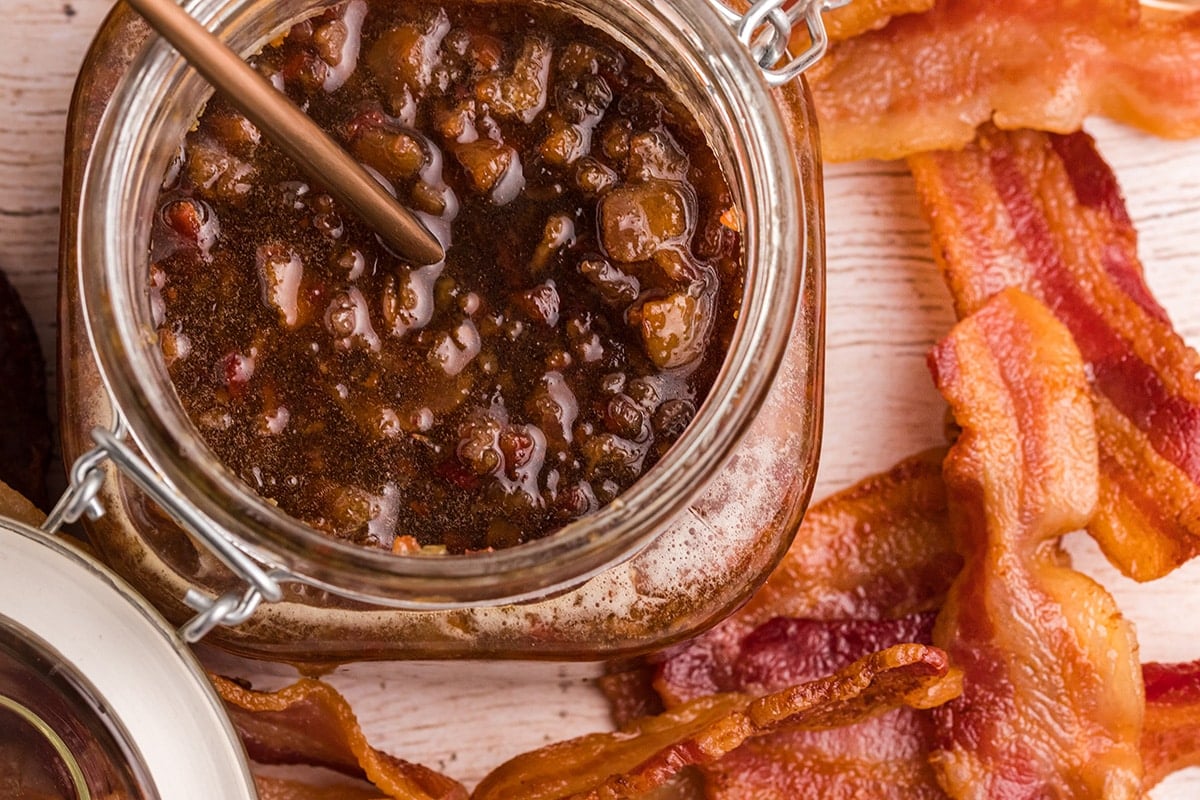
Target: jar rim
(775,258)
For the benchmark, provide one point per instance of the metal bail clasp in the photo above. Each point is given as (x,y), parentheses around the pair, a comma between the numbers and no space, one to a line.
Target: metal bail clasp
(81,498)
(767,26)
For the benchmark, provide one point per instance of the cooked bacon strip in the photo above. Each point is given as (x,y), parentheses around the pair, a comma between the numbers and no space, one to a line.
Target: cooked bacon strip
(1171,737)
(926,81)
(781,652)
(270,788)
(649,752)
(878,549)
(882,757)
(878,761)
(860,16)
(885,757)
(1052,701)
(868,760)
(310,723)
(1044,212)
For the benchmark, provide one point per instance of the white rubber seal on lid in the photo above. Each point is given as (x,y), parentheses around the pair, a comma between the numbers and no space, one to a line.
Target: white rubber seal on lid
(147,679)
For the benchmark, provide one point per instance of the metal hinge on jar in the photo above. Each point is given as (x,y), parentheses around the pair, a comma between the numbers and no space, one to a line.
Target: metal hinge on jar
(767,26)
(82,498)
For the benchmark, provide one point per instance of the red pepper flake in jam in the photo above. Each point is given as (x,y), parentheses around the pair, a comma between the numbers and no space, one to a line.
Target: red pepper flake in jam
(586,302)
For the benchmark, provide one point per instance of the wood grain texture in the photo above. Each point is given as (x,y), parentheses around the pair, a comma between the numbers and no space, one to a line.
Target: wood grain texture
(41,47)
(886,307)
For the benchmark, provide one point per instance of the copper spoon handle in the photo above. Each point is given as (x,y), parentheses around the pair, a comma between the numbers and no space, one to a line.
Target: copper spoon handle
(292,131)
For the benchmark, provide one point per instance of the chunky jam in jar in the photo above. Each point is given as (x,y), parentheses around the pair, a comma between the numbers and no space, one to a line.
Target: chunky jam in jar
(591,281)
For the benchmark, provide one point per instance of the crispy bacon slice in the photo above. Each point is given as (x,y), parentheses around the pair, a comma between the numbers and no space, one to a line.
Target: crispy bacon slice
(926,81)
(882,757)
(270,788)
(310,723)
(1171,737)
(781,652)
(1044,212)
(649,752)
(880,761)
(885,757)
(876,550)
(873,760)
(860,16)
(1052,701)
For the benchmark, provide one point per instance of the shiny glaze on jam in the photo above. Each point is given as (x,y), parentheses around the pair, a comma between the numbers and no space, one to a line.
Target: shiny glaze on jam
(590,286)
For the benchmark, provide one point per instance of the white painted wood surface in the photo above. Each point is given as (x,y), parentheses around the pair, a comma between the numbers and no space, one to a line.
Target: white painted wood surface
(886,307)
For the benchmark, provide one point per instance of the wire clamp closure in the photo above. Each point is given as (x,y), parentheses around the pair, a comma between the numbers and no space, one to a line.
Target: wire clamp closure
(82,499)
(232,608)
(767,26)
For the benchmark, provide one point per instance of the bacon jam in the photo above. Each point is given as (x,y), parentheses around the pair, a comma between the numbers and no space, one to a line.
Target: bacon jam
(592,276)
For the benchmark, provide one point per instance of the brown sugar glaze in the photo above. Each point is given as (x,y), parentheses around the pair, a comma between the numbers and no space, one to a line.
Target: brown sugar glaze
(589,291)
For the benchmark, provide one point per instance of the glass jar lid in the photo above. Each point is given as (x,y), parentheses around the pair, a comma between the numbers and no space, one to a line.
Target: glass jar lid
(98,695)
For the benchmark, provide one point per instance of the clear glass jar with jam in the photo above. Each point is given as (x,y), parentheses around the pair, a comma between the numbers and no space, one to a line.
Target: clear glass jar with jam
(616,567)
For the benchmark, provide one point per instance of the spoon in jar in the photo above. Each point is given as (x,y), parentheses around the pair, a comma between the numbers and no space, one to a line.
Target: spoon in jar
(291,130)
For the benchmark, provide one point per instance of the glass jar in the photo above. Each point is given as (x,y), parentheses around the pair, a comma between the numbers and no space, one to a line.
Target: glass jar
(673,554)
(75,720)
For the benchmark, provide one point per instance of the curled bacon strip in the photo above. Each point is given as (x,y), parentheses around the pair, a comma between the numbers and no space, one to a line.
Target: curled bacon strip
(1044,212)
(648,753)
(271,788)
(1052,701)
(925,81)
(310,723)
(883,761)
(881,757)
(1171,737)
(781,652)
